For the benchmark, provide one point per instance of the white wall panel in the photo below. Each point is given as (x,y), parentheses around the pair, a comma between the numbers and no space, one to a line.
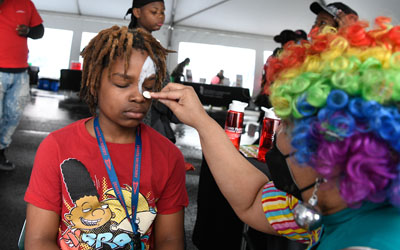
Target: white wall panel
(81,24)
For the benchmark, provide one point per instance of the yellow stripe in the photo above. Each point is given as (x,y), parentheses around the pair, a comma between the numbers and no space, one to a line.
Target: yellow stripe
(281,217)
(289,231)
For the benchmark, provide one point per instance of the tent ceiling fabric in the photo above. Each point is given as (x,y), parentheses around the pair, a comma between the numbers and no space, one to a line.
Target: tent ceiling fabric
(260,17)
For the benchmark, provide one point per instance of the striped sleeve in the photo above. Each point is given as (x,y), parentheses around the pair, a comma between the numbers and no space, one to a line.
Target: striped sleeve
(277,206)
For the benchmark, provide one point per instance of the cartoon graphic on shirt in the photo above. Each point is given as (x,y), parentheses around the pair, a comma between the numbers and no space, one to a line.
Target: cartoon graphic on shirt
(145,214)
(88,215)
(95,224)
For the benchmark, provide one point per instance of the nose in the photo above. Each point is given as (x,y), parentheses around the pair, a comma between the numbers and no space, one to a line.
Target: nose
(135,95)
(161,17)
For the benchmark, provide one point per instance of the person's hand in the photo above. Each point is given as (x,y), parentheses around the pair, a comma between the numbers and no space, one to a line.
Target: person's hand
(23,30)
(183,101)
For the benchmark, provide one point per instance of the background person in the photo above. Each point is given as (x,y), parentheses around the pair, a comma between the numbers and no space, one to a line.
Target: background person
(335,14)
(150,16)
(334,138)
(177,73)
(19,20)
(219,78)
(147,14)
(290,35)
(149,169)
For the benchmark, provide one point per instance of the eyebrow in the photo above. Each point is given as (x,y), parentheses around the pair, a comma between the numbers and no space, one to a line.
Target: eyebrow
(157,8)
(122,75)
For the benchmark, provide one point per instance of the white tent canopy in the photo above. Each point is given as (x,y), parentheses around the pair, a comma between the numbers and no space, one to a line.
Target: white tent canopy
(238,23)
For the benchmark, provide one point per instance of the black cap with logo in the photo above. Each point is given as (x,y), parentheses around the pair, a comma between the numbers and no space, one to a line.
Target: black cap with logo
(290,35)
(332,9)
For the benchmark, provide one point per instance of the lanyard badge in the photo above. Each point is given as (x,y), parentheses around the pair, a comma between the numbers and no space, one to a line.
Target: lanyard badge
(136,242)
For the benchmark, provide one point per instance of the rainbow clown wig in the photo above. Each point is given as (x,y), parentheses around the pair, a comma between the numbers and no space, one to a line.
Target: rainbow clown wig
(342,92)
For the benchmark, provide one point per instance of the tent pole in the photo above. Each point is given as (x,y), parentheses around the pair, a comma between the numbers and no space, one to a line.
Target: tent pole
(79,7)
(200,11)
(172,24)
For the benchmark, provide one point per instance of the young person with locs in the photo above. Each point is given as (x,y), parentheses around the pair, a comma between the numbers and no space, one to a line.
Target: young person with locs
(110,181)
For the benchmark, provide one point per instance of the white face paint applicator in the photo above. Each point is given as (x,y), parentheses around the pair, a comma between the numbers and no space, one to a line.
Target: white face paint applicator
(146,94)
(148,69)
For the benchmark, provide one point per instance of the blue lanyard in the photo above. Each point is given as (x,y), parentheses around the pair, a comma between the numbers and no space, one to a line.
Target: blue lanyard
(113,176)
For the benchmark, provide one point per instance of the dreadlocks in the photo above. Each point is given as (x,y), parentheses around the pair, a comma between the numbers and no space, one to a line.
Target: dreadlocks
(109,44)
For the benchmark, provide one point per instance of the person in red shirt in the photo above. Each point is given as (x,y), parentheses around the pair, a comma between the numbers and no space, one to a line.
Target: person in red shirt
(19,20)
(110,181)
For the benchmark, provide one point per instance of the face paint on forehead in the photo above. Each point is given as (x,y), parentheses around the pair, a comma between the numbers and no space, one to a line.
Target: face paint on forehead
(148,69)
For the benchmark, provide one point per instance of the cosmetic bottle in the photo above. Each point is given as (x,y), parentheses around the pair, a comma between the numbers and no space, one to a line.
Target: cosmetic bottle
(270,124)
(234,121)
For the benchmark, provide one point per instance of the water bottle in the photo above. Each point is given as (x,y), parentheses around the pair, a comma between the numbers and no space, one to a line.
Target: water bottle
(234,121)
(270,124)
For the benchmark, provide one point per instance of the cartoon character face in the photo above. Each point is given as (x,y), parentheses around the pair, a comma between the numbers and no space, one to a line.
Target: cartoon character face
(89,213)
(144,217)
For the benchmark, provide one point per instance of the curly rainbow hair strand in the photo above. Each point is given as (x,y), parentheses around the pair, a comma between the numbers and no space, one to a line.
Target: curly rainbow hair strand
(342,90)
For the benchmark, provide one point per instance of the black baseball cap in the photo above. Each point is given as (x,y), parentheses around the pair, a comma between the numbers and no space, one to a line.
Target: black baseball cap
(290,35)
(332,9)
(139,4)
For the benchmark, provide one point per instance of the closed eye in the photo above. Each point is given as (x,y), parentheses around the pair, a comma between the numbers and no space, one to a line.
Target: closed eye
(121,80)
(149,83)
(121,85)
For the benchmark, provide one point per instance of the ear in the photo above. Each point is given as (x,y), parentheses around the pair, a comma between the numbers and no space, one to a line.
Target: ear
(136,12)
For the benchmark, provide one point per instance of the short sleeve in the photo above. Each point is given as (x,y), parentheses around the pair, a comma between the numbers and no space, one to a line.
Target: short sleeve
(174,196)
(277,206)
(35,17)
(44,190)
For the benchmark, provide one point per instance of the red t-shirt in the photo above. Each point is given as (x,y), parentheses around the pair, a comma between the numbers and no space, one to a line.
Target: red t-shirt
(14,48)
(69,177)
